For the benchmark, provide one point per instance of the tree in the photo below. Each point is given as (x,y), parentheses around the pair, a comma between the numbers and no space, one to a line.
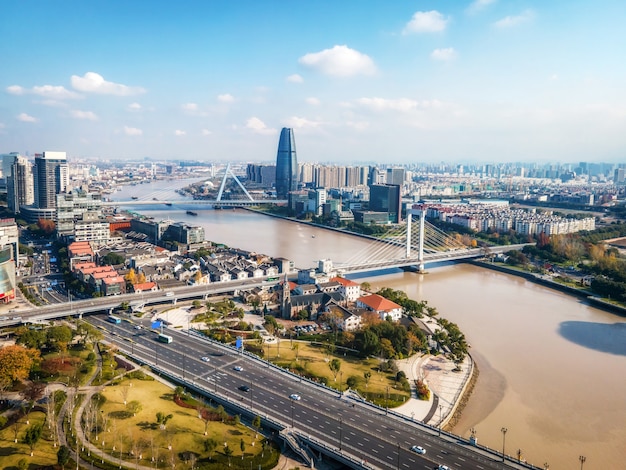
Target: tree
(59,336)
(32,436)
(335,366)
(34,339)
(209,447)
(33,392)
(367,375)
(112,259)
(16,362)
(162,419)
(131,277)
(63,456)
(22,464)
(256,424)
(242,446)
(125,391)
(228,452)
(134,407)
(366,286)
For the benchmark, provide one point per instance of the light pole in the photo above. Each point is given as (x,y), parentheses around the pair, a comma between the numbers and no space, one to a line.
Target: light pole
(291,414)
(387,401)
(504,430)
(398,456)
(340,430)
(582,459)
(440,418)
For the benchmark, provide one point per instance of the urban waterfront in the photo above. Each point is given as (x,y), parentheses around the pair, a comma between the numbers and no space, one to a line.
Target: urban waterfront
(551,367)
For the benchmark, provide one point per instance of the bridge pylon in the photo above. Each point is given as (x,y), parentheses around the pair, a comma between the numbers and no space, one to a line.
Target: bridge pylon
(421,213)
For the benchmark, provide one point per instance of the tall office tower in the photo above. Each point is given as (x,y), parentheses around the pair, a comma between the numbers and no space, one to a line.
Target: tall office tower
(19,177)
(286,164)
(395,176)
(386,198)
(51,178)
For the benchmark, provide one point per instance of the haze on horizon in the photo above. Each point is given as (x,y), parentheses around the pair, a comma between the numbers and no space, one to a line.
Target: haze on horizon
(401,82)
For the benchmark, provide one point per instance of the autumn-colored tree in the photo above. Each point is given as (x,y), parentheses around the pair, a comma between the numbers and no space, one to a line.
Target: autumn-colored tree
(33,391)
(16,362)
(131,277)
(141,278)
(47,225)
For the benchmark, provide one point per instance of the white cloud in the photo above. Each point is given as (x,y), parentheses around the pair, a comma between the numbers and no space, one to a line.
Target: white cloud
(340,61)
(132,131)
(87,115)
(190,107)
(382,104)
(313,101)
(259,127)
(206,132)
(134,107)
(358,125)
(295,78)
(15,90)
(26,118)
(56,92)
(301,123)
(479,5)
(53,103)
(179,133)
(47,91)
(93,82)
(426,22)
(511,21)
(225,98)
(444,54)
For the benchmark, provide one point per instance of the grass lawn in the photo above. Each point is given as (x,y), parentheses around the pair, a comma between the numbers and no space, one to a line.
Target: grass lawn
(11,453)
(314,362)
(184,431)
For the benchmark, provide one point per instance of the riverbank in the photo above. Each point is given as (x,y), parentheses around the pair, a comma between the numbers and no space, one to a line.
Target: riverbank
(548,282)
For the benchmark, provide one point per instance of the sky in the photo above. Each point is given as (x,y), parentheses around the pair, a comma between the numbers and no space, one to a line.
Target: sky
(359,81)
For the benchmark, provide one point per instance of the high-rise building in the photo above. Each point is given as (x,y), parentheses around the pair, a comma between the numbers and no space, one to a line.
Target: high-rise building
(286,164)
(19,179)
(395,176)
(386,198)
(51,178)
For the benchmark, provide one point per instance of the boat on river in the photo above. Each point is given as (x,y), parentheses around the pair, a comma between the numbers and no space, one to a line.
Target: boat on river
(192,213)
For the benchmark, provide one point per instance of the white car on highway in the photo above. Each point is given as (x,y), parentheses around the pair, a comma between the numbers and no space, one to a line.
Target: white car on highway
(418,449)
(295,396)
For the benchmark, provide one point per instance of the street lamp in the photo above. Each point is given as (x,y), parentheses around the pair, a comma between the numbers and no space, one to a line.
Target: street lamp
(504,430)
(582,459)
(398,456)
(387,402)
(440,418)
(340,430)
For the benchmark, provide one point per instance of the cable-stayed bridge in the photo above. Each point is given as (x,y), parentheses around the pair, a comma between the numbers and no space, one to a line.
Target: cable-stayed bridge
(408,247)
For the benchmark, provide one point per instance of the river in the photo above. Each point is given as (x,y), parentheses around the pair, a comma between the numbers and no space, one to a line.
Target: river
(552,368)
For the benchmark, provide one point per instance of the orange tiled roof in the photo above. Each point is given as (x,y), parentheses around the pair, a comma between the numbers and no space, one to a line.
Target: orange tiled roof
(344,282)
(144,286)
(378,303)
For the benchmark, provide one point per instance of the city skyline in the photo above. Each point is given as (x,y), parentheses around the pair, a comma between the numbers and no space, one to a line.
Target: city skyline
(406,82)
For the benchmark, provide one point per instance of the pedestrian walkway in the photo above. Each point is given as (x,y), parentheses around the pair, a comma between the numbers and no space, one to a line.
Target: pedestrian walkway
(446,386)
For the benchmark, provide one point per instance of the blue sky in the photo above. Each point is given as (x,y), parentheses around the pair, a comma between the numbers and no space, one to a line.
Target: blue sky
(359,80)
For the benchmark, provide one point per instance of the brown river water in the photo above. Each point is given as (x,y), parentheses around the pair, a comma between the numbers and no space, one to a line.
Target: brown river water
(552,368)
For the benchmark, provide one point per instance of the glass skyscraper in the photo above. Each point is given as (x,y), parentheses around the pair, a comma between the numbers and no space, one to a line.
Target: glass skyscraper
(286,164)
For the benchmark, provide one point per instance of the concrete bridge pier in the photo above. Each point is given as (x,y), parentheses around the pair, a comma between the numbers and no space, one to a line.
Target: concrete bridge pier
(421,213)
